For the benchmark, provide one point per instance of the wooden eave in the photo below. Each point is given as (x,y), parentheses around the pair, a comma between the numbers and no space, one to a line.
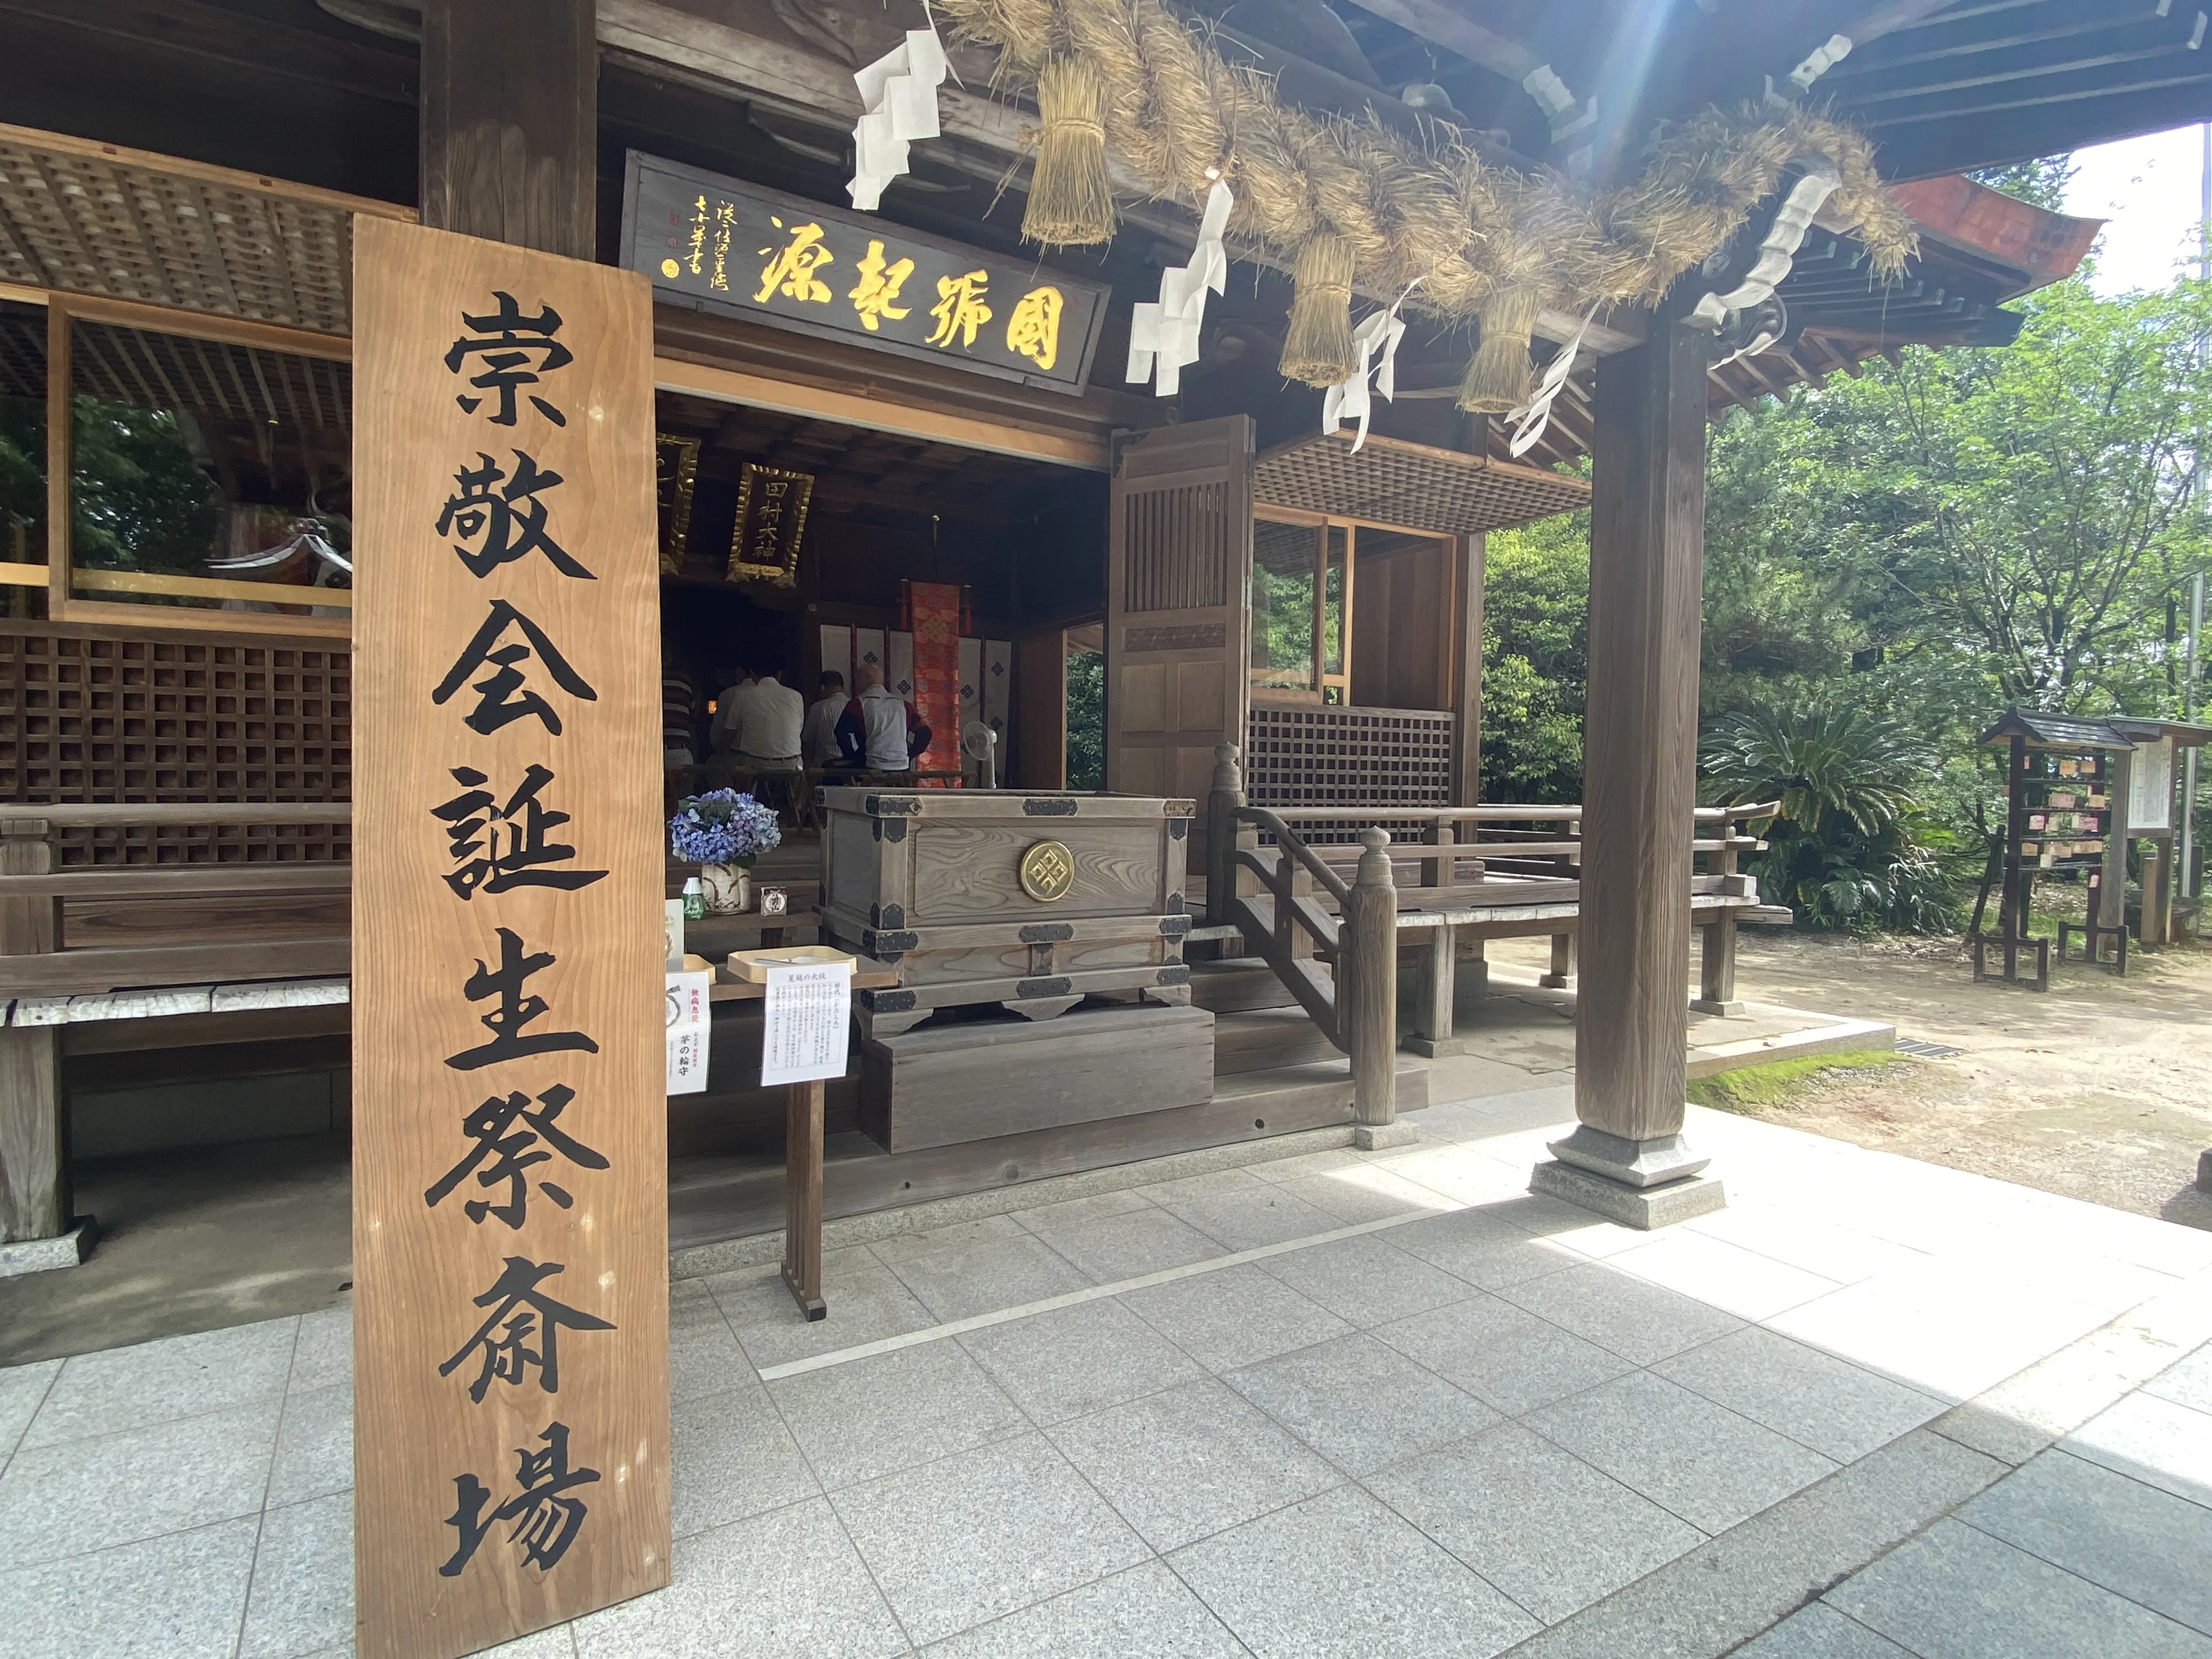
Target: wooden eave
(79,217)
(1410,486)
(2067,732)
(2185,734)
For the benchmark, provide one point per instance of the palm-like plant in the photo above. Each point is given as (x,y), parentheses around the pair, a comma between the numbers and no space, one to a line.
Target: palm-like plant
(1842,848)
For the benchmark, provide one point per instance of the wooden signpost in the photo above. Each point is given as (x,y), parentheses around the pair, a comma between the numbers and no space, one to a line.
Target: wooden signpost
(510,1167)
(806,1026)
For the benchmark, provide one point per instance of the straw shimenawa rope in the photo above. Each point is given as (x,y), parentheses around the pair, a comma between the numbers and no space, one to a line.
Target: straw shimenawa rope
(1486,242)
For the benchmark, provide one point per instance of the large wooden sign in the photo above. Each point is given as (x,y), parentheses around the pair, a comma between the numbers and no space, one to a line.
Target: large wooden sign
(510,1168)
(722,245)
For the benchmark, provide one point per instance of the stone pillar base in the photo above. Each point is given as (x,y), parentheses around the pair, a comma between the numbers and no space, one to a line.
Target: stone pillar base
(38,1255)
(1642,1207)
(1373,1137)
(1726,1010)
(1629,1162)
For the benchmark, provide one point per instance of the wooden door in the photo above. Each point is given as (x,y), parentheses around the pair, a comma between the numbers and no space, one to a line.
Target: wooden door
(1178,590)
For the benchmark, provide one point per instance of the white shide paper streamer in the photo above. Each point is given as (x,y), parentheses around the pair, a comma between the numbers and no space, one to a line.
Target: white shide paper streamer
(898,94)
(1164,336)
(1348,399)
(1530,419)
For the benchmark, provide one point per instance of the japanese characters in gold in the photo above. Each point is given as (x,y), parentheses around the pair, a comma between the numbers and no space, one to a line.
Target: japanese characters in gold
(771,519)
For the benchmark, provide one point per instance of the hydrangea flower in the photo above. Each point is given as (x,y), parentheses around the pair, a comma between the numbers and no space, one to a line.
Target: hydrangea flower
(722,827)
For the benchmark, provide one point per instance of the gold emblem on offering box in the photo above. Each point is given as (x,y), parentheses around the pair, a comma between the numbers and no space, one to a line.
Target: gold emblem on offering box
(1047,871)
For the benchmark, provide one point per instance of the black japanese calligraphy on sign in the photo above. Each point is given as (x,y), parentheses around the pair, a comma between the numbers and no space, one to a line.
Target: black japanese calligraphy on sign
(836,274)
(498,518)
(498,847)
(507,1133)
(498,704)
(516,1008)
(546,1518)
(521,1314)
(510,351)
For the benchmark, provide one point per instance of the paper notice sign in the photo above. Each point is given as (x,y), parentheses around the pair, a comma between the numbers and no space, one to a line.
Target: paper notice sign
(672,928)
(2150,787)
(687,1032)
(809,1021)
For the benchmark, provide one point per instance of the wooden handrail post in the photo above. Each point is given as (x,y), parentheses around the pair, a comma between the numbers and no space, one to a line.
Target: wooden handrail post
(35,1189)
(1367,982)
(1221,827)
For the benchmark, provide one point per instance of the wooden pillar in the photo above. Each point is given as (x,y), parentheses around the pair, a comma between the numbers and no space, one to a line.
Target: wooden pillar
(802,1195)
(510,121)
(2112,890)
(1563,962)
(2156,926)
(1040,757)
(34,1187)
(1466,673)
(1367,992)
(1639,768)
(1223,834)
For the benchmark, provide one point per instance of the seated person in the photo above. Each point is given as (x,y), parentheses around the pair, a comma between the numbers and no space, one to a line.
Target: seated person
(721,730)
(764,725)
(817,742)
(878,732)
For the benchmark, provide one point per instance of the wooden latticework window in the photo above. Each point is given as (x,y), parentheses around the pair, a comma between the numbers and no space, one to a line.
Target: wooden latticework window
(1321,755)
(88,714)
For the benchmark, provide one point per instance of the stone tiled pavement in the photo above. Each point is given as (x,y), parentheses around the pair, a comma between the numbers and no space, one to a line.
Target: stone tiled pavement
(1367,1405)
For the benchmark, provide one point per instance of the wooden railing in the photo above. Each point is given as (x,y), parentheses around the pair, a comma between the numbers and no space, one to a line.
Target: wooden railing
(34,962)
(1334,942)
(280,909)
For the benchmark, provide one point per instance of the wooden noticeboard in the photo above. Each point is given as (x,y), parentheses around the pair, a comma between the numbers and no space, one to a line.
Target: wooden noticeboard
(510,1130)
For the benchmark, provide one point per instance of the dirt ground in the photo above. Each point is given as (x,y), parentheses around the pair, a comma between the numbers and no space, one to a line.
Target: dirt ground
(2100,1088)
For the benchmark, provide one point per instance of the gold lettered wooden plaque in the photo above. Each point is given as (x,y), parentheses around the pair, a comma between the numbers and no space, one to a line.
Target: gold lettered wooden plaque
(510,1128)
(676,473)
(771,522)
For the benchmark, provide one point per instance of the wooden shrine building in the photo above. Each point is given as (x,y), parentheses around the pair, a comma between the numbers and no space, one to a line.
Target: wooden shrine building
(627,343)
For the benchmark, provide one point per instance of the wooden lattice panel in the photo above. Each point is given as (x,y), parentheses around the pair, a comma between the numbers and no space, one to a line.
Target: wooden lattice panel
(1323,755)
(1413,485)
(112,714)
(91,218)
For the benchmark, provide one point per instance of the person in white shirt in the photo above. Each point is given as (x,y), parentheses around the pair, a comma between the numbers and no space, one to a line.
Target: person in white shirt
(722,730)
(817,745)
(766,725)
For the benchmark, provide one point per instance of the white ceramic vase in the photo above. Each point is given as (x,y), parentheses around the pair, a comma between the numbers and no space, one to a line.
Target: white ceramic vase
(728,888)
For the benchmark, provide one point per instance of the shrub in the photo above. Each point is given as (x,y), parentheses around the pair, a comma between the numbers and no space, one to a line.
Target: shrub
(1848,848)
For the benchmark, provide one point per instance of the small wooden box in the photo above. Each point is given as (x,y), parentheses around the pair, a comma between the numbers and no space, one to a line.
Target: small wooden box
(947,883)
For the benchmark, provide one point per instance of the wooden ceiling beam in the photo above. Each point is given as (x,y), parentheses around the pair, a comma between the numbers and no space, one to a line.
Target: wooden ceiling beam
(1443,24)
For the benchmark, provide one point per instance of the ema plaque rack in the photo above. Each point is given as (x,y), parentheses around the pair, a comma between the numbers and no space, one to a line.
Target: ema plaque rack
(2058,804)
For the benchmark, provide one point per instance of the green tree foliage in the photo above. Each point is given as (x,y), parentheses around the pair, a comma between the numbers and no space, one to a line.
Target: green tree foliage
(1536,661)
(1086,720)
(1841,846)
(23,464)
(2042,182)
(142,501)
(1926,542)
(1965,529)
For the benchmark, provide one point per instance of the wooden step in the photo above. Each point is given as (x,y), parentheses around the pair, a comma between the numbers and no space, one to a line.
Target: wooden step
(1256,1039)
(1237,983)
